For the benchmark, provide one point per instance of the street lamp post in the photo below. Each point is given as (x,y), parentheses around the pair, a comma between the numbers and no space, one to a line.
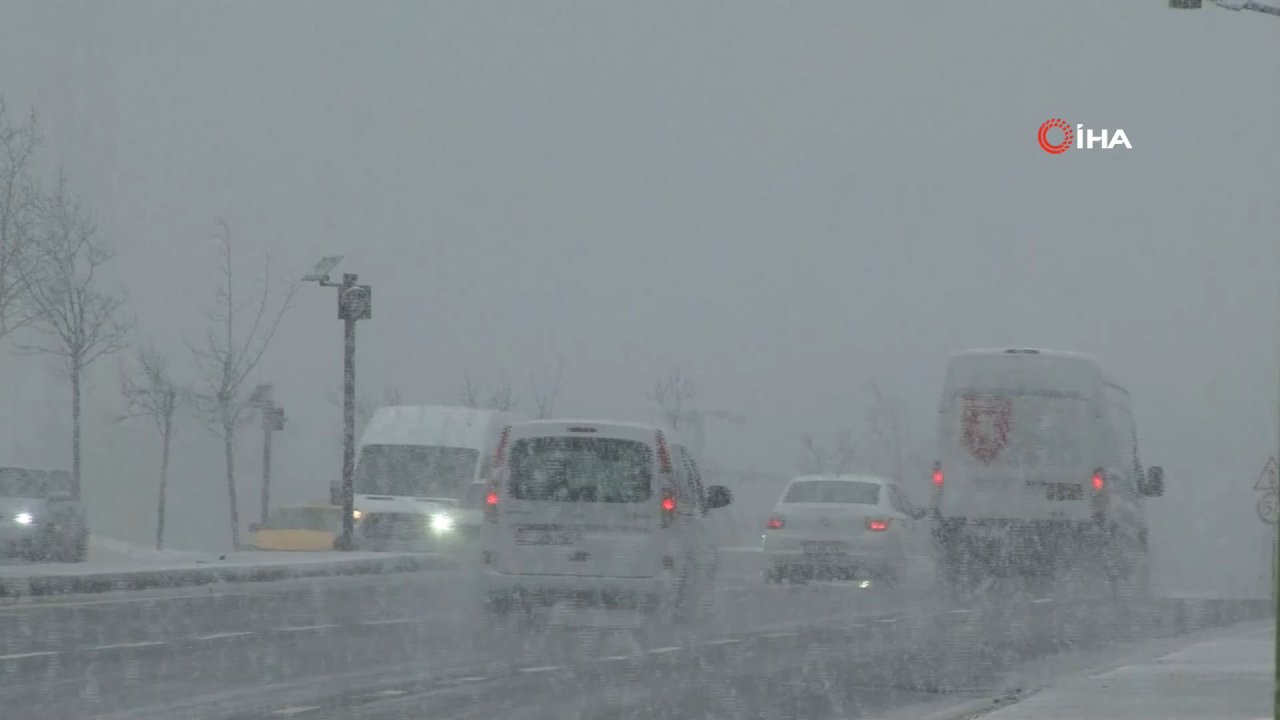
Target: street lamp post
(355,302)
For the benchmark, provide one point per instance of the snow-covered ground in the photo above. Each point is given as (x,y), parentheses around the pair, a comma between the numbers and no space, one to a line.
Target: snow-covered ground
(104,550)
(1224,675)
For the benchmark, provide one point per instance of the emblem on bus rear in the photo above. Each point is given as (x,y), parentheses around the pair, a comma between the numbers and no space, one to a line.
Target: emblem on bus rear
(986,425)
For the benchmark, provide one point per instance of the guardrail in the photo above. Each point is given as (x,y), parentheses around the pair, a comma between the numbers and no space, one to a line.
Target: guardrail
(43,580)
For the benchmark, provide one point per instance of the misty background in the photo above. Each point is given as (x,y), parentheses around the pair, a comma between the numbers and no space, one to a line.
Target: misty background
(782,204)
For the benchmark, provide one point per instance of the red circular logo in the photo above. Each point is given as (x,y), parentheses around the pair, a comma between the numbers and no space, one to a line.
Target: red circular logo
(1068,136)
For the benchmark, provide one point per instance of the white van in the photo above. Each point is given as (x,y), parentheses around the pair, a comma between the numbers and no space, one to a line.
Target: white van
(1038,467)
(413,467)
(603,513)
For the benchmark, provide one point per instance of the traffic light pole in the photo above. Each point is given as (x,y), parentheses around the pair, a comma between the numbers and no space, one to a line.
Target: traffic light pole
(266,466)
(348,415)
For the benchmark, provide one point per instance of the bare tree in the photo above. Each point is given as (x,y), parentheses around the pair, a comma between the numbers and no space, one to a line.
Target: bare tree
(837,457)
(470,393)
(19,216)
(149,391)
(546,389)
(80,323)
(673,395)
(890,436)
(240,331)
(502,398)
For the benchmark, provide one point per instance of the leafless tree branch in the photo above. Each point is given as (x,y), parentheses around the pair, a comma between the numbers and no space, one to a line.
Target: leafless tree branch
(80,322)
(230,355)
(546,390)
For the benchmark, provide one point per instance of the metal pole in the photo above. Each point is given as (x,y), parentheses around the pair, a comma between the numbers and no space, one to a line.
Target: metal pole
(266,463)
(348,415)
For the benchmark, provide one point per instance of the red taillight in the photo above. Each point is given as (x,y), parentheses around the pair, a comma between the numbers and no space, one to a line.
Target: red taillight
(668,506)
(1099,480)
(937,474)
(775,522)
(491,506)
(877,525)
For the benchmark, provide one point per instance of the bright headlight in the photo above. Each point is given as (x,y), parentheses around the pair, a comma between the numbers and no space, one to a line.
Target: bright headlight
(441,523)
(24,518)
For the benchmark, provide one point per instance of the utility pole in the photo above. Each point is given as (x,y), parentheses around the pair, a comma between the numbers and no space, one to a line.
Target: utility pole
(355,302)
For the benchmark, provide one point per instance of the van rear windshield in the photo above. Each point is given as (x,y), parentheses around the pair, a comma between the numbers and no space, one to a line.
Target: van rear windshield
(833,491)
(581,469)
(1042,430)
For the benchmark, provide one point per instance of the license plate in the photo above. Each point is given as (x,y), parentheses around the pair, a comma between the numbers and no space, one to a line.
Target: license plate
(824,548)
(543,536)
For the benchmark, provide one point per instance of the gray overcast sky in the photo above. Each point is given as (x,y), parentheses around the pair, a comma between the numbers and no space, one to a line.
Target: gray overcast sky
(788,204)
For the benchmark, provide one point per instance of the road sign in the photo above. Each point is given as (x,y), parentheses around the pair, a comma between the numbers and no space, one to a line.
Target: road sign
(1267,507)
(1268,480)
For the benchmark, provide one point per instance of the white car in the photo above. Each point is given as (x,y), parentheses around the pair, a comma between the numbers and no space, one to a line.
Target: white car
(597,513)
(847,527)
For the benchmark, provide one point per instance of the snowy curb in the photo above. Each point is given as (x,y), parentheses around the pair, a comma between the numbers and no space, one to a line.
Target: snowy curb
(36,580)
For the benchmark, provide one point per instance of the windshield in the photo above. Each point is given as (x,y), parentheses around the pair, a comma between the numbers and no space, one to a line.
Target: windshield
(581,469)
(415,470)
(833,491)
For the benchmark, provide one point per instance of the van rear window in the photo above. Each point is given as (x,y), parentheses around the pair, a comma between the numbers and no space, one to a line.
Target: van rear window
(581,469)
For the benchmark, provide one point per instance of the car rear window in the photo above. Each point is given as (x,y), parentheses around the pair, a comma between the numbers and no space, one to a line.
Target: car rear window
(834,491)
(581,469)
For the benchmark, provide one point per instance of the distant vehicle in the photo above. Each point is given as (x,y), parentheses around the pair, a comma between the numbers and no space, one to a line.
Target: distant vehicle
(313,528)
(847,527)
(1039,468)
(40,518)
(597,512)
(413,467)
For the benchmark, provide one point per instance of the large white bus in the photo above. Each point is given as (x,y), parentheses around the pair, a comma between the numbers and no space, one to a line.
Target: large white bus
(414,467)
(1038,468)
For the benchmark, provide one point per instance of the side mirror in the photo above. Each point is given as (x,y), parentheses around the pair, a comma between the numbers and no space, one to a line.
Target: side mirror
(255,527)
(718,496)
(1153,484)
